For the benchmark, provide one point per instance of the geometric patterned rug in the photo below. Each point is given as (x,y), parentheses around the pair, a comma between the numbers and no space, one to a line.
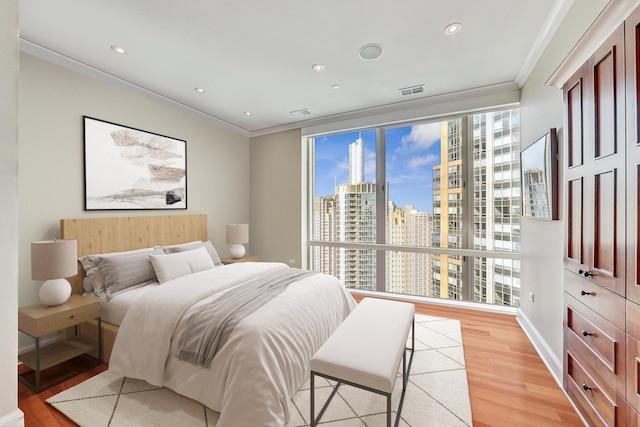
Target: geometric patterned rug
(437,394)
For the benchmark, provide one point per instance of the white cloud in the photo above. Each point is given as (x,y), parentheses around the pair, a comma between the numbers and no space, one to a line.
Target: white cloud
(422,137)
(417,161)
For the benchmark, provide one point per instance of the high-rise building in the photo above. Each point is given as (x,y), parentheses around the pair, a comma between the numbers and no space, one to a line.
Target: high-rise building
(535,186)
(496,209)
(496,205)
(447,213)
(349,216)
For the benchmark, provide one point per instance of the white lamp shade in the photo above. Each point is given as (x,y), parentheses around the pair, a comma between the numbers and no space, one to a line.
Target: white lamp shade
(52,260)
(237,234)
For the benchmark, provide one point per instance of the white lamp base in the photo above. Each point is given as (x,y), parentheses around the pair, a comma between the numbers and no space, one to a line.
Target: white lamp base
(55,292)
(237,250)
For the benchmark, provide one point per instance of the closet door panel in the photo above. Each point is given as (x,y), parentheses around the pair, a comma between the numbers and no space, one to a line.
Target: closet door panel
(573,100)
(605,218)
(576,97)
(632,50)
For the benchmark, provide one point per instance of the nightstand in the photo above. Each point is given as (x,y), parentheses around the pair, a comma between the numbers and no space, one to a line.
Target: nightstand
(226,261)
(39,320)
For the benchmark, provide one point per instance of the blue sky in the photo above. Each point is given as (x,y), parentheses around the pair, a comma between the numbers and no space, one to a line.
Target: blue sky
(412,151)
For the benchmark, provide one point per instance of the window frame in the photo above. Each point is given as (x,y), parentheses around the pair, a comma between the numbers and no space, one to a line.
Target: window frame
(467,253)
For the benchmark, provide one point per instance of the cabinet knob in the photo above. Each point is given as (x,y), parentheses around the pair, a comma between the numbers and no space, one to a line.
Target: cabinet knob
(586,334)
(585,273)
(71,317)
(583,293)
(586,387)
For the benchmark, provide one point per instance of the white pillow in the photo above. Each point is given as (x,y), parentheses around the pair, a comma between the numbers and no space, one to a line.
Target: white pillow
(171,266)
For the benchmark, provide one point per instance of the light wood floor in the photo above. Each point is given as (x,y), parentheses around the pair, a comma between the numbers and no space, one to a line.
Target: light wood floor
(509,385)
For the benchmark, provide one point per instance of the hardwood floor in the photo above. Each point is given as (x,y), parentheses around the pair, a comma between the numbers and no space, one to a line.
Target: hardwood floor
(509,385)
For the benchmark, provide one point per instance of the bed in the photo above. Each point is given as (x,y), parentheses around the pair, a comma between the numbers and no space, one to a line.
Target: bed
(261,360)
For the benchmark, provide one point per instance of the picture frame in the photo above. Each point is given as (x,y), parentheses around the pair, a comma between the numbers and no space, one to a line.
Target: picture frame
(539,177)
(132,169)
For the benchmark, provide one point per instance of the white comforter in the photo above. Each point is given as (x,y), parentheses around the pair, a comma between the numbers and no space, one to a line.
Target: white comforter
(264,362)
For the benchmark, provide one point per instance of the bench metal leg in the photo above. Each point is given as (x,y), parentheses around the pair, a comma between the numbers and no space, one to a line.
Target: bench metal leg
(313,400)
(406,368)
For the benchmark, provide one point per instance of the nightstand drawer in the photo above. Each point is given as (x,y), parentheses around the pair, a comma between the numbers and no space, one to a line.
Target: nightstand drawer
(39,320)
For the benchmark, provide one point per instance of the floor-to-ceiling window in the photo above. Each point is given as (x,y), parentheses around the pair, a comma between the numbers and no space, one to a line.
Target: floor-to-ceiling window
(429,209)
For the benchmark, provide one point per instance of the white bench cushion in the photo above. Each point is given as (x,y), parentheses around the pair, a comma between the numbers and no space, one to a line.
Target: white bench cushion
(367,347)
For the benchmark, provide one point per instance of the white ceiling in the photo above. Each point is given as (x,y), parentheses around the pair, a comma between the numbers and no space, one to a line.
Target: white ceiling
(257,56)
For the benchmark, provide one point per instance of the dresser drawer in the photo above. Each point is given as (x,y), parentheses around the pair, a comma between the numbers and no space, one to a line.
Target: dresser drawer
(633,319)
(600,342)
(607,304)
(593,389)
(633,372)
(593,392)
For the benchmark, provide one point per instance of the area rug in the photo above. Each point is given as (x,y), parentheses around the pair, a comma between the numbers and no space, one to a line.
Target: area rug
(437,394)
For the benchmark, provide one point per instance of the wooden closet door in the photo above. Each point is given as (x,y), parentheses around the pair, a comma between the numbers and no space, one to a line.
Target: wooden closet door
(604,216)
(632,36)
(576,98)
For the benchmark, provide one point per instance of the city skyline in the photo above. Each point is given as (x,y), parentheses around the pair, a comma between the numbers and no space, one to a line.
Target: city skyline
(412,151)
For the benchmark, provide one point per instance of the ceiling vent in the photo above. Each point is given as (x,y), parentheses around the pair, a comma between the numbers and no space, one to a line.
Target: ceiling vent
(411,90)
(300,113)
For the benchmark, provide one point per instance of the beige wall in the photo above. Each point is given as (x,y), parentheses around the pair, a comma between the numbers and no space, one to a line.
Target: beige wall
(9,65)
(275,232)
(51,175)
(542,247)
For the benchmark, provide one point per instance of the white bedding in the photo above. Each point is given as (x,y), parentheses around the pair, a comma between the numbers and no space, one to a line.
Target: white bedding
(263,363)
(113,310)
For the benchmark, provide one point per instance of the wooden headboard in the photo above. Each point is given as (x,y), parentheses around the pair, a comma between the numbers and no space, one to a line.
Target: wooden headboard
(103,235)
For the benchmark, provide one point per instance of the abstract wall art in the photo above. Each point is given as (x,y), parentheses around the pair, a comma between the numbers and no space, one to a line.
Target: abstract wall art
(128,168)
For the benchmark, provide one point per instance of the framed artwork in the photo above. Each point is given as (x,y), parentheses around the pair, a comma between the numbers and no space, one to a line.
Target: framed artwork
(127,168)
(539,165)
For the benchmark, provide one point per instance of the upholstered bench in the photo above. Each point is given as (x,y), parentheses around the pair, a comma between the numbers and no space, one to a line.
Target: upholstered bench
(365,352)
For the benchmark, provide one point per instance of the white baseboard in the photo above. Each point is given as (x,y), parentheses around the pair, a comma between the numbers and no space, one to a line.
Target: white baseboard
(43,343)
(13,419)
(546,354)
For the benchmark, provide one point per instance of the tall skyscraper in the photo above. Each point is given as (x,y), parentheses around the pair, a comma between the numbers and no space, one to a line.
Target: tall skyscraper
(447,213)
(496,209)
(356,161)
(496,186)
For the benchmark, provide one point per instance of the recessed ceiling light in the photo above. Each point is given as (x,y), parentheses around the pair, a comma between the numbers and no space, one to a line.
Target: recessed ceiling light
(118,49)
(318,67)
(199,90)
(452,28)
(247,113)
(370,52)
(335,87)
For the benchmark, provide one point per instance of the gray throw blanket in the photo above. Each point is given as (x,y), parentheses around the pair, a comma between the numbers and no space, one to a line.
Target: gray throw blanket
(210,326)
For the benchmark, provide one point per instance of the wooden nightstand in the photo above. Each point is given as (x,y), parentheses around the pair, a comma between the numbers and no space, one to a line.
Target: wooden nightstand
(226,261)
(38,320)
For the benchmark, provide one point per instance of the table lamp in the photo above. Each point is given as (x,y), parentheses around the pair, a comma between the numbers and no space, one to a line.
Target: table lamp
(237,236)
(52,261)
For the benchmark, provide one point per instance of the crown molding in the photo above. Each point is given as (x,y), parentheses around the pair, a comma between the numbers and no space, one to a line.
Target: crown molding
(614,14)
